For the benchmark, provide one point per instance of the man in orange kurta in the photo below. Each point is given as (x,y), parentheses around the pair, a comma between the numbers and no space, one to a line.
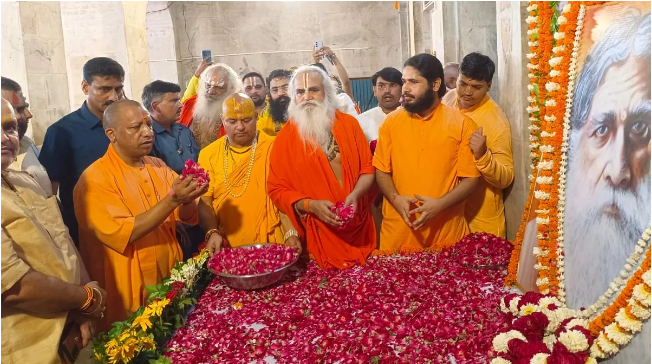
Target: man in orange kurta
(424,165)
(321,157)
(491,144)
(127,205)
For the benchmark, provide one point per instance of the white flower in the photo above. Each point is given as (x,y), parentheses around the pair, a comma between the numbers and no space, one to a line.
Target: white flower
(555,61)
(513,305)
(544,180)
(575,341)
(546,301)
(528,309)
(540,358)
(590,360)
(530,55)
(566,9)
(501,341)
(542,281)
(550,118)
(596,352)
(540,195)
(552,86)
(641,294)
(545,165)
(637,310)
(545,134)
(577,322)
(617,336)
(607,346)
(551,102)
(558,49)
(562,19)
(550,341)
(646,277)
(627,323)
(530,87)
(543,221)
(532,7)
(531,19)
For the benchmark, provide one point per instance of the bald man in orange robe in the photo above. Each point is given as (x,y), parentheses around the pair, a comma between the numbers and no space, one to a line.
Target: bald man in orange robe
(127,205)
(321,157)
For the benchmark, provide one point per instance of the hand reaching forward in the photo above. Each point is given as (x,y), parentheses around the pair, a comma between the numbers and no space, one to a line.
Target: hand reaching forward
(429,208)
(186,191)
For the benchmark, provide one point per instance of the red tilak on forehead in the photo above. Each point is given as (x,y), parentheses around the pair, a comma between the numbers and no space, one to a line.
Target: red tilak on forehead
(14,99)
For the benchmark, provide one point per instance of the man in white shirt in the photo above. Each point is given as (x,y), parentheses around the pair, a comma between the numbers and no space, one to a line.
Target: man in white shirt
(388,85)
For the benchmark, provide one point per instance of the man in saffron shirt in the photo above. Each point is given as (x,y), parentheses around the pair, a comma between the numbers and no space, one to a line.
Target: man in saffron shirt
(424,165)
(491,144)
(237,207)
(127,205)
(321,157)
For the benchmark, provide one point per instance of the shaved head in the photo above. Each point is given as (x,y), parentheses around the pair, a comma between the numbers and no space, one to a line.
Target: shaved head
(451,71)
(239,118)
(114,112)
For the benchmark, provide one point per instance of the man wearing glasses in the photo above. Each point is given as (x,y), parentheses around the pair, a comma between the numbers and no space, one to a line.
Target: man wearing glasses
(77,140)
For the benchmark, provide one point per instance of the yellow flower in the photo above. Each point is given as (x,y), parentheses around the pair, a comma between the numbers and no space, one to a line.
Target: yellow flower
(237,305)
(98,356)
(111,344)
(147,343)
(156,307)
(124,336)
(127,350)
(142,321)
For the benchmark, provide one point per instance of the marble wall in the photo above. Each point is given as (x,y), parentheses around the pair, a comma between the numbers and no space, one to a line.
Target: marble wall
(135,13)
(263,36)
(161,44)
(45,64)
(512,82)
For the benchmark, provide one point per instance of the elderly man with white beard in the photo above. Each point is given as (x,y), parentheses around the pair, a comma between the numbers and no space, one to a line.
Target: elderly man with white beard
(202,113)
(321,157)
(608,183)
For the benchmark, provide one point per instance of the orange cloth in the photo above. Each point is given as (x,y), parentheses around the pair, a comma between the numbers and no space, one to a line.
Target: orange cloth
(298,172)
(425,157)
(485,210)
(252,217)
(108,197)
(186,115)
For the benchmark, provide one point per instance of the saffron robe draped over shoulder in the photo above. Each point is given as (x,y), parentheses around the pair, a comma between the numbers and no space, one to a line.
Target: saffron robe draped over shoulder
(108,197)
(298,170)
(252,217)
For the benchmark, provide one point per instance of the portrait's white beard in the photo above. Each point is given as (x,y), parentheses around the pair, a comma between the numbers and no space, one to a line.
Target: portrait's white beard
(208,110)
(597,245)
(314,121)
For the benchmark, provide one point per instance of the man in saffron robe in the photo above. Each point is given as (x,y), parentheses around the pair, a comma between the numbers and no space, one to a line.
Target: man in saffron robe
(491,144)
(321,157)
(237,207)
(202,113)
(127,205)
(276,117)
(424,165)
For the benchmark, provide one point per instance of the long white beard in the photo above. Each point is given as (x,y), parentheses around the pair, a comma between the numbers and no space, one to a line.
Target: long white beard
(208,110)
(596,246)
(314,121)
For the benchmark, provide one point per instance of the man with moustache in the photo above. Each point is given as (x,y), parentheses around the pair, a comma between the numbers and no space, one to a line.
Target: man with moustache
(608,178)
(173,142)
(255,88)
(27,159)
(202,113)
(127,204)
(424,165)
(46,292)
(77,140)
(491,143)
(387,85)
(276,118)
(321,157)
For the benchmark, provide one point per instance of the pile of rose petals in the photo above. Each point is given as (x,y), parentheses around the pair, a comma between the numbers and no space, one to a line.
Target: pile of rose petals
(255,260)
(343,213)
(417,308)
(191,168)
(482,249)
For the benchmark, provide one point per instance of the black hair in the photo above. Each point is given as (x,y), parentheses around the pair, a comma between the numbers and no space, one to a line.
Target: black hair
(254,74)
(323,68)
(430,68)
(389,74)
(477,66)
(11,85)
(279,73)
(102,67)
(155,91)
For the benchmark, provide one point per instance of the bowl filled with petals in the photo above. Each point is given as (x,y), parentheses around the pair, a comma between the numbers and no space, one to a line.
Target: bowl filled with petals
(253,266)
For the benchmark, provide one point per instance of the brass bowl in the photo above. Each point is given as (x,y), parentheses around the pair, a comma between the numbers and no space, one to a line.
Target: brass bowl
(254,281)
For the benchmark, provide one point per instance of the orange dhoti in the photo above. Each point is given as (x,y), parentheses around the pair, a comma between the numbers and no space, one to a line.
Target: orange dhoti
(299,171)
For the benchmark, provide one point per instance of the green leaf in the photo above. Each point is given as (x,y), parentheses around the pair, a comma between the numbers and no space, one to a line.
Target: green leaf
(375,359)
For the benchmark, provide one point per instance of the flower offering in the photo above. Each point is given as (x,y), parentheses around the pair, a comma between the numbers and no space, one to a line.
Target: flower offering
(482,249)
(198,174)
(256,260)
(343,213)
